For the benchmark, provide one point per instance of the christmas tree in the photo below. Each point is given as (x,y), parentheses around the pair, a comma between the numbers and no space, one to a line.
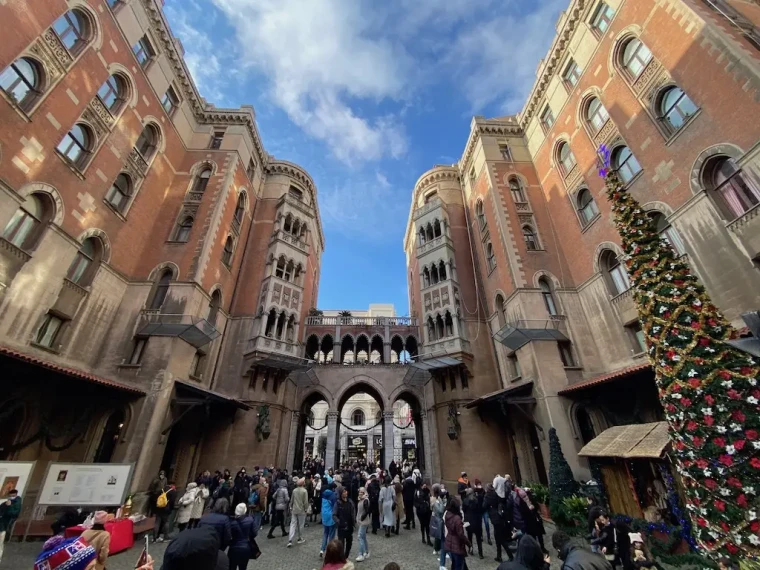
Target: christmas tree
(561,482)
(709,389)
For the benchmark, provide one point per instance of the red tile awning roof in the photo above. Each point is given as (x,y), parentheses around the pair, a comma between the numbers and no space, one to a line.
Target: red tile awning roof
(604,378)
(73,372)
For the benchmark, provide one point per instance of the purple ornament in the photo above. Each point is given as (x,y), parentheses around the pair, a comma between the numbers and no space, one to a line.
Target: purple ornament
(603,160)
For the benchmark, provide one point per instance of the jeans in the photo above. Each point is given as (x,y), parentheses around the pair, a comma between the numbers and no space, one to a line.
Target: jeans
(488,528)
(443,555)
(347,538)
(296,525)
(457,561)
(239,558)
(363,548)
(328,534)
(159,527)
(257,515)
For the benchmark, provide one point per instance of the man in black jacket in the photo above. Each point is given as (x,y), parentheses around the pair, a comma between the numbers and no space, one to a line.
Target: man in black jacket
(407,492)
(373,492)
(575,557)
(345,515)
(495,506)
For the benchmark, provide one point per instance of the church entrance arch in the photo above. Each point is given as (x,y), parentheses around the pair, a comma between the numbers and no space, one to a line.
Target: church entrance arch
(408,434)
(360,430)
(311,434)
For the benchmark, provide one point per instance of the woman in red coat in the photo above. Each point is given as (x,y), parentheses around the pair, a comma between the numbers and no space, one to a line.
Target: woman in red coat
(456,540)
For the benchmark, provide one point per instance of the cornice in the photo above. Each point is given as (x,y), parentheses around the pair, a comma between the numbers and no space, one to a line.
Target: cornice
(488,127)
(432,176)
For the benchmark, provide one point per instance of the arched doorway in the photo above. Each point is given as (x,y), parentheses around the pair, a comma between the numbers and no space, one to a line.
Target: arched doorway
(109,439)
(408,439)
(311,437)
(360,433)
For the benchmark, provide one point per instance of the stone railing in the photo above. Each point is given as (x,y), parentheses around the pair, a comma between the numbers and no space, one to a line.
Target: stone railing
(605,133)
(622,297)
(16,252)
(297,204)
(291,239)
(362,321)
(429,207)
(272,344)
(138,162)
(194,197)
(433,244)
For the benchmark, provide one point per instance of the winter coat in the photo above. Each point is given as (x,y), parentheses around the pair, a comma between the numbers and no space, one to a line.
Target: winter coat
(494,506)
(422,505)
(575,557)
(9,513)
(373,493)
(527,557)
(242,531)
(348,565)
(463,483)
(400,513)
(199,503)
(186,502)
(100,540)
(328,502)
(299,502)
(473,511)
(344,513)
(281,497)
(363,513)
(456,539)
(170,498)
(195,549)
(408,490)
(263,491)
(385,502)
(221,524)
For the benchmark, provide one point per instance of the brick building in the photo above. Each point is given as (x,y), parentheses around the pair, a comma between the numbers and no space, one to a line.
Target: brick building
(513,258)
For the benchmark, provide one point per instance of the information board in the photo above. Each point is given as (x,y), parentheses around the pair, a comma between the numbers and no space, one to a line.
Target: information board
(14,475)
(86,484)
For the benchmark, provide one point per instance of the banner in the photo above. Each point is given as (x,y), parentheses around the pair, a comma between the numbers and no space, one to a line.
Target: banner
(14,475)
(358,442)
(86,484)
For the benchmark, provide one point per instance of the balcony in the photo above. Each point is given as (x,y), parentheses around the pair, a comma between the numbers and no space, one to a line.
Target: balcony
(519,333)
(429,207)
(362,321)
(271,344)
(291,240)
(625,306)
(195,331)
(297,204)
(435,243)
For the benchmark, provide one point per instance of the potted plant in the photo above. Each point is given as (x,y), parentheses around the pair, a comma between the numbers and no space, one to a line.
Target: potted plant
(540,494)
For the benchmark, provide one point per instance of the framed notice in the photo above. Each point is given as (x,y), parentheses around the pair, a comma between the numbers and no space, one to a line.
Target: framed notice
(14,475)
(86,484)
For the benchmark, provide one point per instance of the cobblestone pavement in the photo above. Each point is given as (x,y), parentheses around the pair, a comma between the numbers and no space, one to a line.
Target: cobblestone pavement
(406,549)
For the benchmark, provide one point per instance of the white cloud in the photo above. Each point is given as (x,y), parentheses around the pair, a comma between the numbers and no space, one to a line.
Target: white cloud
(382,180)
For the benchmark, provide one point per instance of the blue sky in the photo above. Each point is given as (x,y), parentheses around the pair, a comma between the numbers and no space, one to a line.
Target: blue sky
(366,96)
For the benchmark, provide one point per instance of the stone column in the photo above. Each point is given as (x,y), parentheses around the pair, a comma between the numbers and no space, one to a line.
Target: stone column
(388,438)
(427,444)
(293,440)
(332,432)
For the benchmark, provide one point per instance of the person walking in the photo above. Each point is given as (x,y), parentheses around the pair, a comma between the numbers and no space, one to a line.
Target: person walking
(299,505)
(316,507)
(424,512)
(185,506)
(482,492)
(473,516)
(463,483)
(438,508)
(387,504)
(529,556)
(534,524)
(328,522)
(162,512)
(363,520)
(155,488)
(574,556)
(373,493)
(456,542)
(10,509)
(399,504)
(219,521)
(257,501)
(407,491)
(100,539)
(280,504)
(495,507)
(344,514)
(335,557)
(199,504)
(243,539)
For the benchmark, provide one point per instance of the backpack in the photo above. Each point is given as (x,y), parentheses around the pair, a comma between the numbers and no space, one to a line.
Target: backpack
(253,499)
(162,500)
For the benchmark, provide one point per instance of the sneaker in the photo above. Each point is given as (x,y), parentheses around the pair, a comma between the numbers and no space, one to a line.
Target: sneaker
(321,553)
(360,558)
(300,541)
(290,544)
(160,539)
(366,556)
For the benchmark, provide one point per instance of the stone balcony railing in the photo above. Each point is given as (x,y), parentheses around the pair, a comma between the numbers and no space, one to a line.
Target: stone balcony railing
(297,204)
(271,344)
(292,240)
(433,244)
(362,321)
(429,207)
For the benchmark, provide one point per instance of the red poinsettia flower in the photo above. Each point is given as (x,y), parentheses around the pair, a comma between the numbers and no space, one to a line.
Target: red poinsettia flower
(704,341)
(746,371)
(734,395)
(691,425)
(756,394)
(701,522)
(680,446)
(695,325)
(751,434)
(670,408)
(698,441)
(739,444)
(725,526)
(719,441)
(709,420)
(755,462)
(724,374)
(726,460)
(676,387)
(670,354)
(694,382)
(741,500)
(711,484)
(732,548)
(709,399)
(685,402)
(734,482)
(738,415)
(754,526)
(720,505)
(702,463)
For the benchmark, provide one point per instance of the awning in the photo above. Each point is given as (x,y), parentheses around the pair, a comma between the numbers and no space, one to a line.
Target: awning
(279,361)
(195,331)
(604,378)
(518,334)
(201,395)
(629,442)
(508,394)
(419,371)
(72,372)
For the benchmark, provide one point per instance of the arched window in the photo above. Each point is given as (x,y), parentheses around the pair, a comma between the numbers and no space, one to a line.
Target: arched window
(566,158)
(271,322)
(429,232)
(586,206)
(281,324)
(426,277)
(437,228)
(431,330)
(295,193)
(110,437)
(442,271)
(147,142)
(113,93)
(287,226)
(516,189)
(240,208)
(25,228)
(480,214)
(296,227)
(184,228)
(280,268)
(734,191)
(201,181)
(667,232)
(440,330)
(77,144)
(422,236)
(297,275)
(73,29)
(357,418)
(290,329)
(614,273)
(22,82)
(430,196)
(449,324)
(490,256)
(500,314)
(85,264)
(625,163)
(636,56)
(228,250)
(119,193)
(585,425)
(548,296)
(161,290)
(434,277)
(675,108)
(213,307)
(531,240)
(596,115)
(289,267)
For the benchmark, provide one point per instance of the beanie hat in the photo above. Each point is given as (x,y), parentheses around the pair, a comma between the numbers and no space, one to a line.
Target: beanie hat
(100,517)
(240,510)
(60,554)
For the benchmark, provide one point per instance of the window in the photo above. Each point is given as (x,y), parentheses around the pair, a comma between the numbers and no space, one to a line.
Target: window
(213,307)
(636,337)
(216,139)
(251,170)
(566,158)
(357,418)
(113,93)
(161,290)
(25,227)
(227,253)
(197,365)
(636,56)
(500,314)
(586,206)
(506,152)
(143,51)
(240,208)
(201,181)
(72,30)
(566,354)
(667,232)
(625,163)
(615,274)
(49,331)
(675,108)
(295,193)
(547,118)
(119,193)
(531,241)
(514,366)
(548,296)
(170,101)
(516,189)
(138,349)
(112,3)
(596,115)
(184,228)
(430,196)
(490,256)
(82,269)
(735,192)
(572,74)
(480,214)
(602,18)
(22,82)
(147,142)
(76,145)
